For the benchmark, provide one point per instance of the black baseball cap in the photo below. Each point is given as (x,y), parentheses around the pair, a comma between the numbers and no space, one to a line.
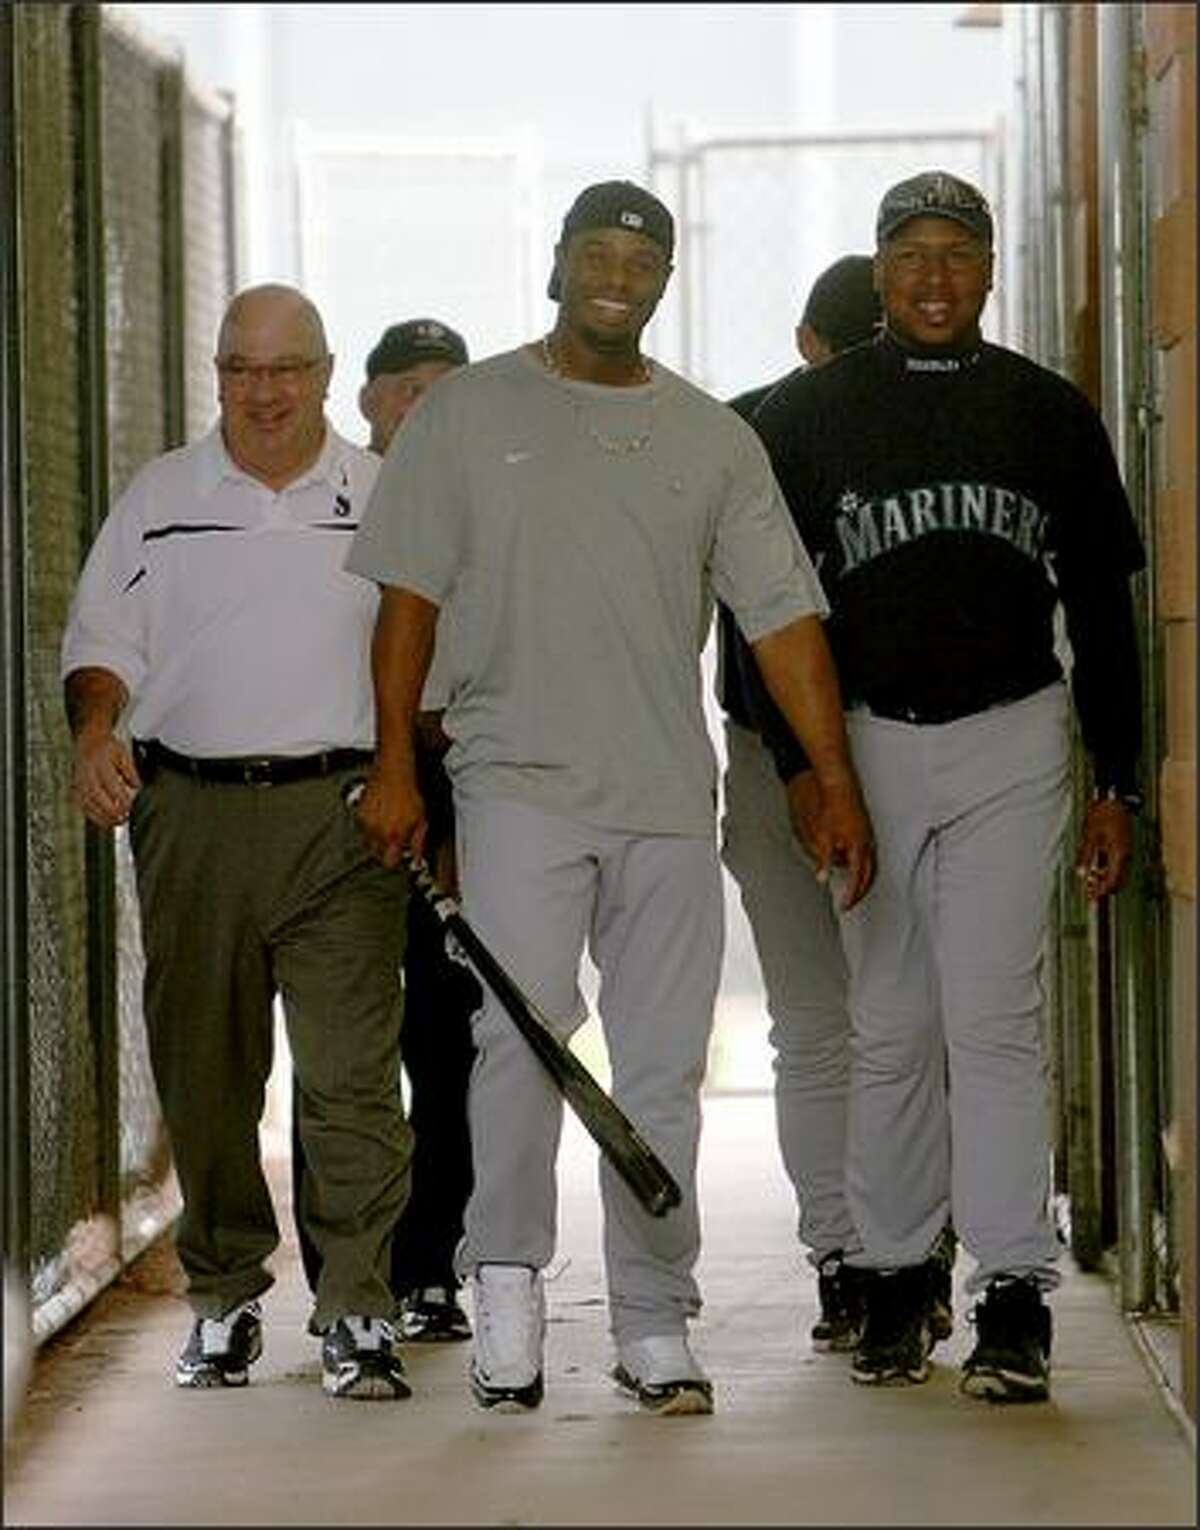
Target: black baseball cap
(934,194)
(843,305)
(404,345)
(616,204)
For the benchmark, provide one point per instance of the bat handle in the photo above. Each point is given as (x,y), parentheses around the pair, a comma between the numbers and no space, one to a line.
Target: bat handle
(443,905)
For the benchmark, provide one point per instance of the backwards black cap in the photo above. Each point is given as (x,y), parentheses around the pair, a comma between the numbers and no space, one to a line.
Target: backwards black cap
(616,204)
(843,305)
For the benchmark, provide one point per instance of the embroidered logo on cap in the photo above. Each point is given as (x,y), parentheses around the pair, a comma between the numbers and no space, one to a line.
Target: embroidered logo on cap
(632,219)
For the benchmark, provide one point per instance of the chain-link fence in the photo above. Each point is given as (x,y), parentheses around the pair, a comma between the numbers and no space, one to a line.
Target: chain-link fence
(759,218)
(120,193)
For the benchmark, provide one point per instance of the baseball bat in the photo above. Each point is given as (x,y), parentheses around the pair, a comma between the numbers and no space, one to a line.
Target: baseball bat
(613,1132)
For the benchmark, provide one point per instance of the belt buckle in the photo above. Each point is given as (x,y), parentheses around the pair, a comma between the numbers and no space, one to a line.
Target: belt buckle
(257,773)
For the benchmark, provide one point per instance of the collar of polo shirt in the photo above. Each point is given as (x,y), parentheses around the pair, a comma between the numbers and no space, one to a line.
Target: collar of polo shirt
(216,466)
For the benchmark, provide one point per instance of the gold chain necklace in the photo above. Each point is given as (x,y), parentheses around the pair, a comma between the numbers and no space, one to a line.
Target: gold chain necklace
(614,446)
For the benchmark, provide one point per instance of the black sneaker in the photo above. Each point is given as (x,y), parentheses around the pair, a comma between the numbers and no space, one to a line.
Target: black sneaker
(432,1316)
(839,1290)
(1011,1358)
(220,1351)
(940,1266)
(895,1344)
(359,1359)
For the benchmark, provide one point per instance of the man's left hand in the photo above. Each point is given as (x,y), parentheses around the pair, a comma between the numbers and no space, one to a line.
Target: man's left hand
(1105,848)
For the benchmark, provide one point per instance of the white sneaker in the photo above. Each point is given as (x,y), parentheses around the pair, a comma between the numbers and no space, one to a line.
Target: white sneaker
(662,1373)
(510,1328)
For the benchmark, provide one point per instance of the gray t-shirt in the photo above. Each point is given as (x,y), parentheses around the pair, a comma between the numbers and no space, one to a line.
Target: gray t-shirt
(581,532)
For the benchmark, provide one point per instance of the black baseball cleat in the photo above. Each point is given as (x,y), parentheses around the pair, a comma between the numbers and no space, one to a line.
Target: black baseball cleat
(359,1360)
(895,1344)
(940,1266)
(432,1315)
(220,1351)
(840,1293)
(1011,1359)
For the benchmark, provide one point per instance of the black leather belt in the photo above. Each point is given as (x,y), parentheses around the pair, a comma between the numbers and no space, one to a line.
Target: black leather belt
(929,713)
(248,770)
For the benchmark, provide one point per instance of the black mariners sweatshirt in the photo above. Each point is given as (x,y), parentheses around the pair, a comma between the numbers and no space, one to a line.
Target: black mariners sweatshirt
(950,504)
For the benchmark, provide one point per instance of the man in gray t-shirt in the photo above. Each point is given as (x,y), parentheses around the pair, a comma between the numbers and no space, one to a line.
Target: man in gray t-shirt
(582,507)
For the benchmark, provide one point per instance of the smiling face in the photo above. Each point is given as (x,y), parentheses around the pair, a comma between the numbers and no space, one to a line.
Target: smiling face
(612,280)
(273,373)
(933,277)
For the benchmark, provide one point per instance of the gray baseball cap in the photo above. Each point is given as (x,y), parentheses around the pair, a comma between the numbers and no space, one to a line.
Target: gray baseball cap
(934,194)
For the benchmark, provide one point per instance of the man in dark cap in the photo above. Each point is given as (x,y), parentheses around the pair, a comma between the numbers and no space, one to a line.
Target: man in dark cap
(841,310)
(439,994)
(407,361)
(959,498)
(581,505)
(790,916)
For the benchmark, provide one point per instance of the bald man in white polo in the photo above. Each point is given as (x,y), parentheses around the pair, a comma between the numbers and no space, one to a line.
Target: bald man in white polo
(217,684)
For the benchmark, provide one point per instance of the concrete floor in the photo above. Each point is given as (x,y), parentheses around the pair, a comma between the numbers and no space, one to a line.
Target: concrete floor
(105,1439)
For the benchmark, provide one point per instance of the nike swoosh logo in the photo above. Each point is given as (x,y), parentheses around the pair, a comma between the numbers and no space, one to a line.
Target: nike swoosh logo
(517,456)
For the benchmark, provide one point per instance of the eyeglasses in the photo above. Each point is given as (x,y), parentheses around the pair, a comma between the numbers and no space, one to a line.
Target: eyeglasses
(289,373)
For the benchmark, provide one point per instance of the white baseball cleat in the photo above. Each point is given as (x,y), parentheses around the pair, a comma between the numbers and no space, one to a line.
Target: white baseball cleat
(662,1373)
(510,1328)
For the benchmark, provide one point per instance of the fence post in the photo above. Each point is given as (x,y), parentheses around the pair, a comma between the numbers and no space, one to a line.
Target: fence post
(99,870)
(14,881)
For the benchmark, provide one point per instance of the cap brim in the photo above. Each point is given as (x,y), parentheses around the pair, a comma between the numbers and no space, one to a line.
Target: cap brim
(972,226)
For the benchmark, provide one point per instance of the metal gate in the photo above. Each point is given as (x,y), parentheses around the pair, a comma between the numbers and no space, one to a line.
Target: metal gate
(759,218)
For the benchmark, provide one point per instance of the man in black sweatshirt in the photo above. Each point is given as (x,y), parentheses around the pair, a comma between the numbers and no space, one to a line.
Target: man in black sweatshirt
(956,497)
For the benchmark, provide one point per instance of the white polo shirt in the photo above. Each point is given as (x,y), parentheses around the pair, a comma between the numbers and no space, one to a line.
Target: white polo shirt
(224,606)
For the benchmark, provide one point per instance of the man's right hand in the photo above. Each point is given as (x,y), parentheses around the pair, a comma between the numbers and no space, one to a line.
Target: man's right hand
(104,778)
(391,815)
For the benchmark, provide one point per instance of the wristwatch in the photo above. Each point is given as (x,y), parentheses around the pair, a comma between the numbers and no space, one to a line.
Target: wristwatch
(1130,797)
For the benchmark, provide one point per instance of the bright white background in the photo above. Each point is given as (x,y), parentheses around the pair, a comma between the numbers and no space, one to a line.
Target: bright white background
(405,160)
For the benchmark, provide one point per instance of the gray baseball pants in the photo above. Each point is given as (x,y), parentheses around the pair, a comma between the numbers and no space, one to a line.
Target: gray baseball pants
(537,887)
(245,892)
(948,1096)
(799,948)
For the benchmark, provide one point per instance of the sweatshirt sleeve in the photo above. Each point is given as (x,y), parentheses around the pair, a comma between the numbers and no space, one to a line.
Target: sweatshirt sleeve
(1098,553)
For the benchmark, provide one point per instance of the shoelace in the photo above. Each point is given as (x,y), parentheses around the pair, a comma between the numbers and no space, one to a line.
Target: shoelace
(369,1333)
(216,1334)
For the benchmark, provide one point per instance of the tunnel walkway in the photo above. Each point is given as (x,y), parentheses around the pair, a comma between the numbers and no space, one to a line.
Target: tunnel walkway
(105,1438)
